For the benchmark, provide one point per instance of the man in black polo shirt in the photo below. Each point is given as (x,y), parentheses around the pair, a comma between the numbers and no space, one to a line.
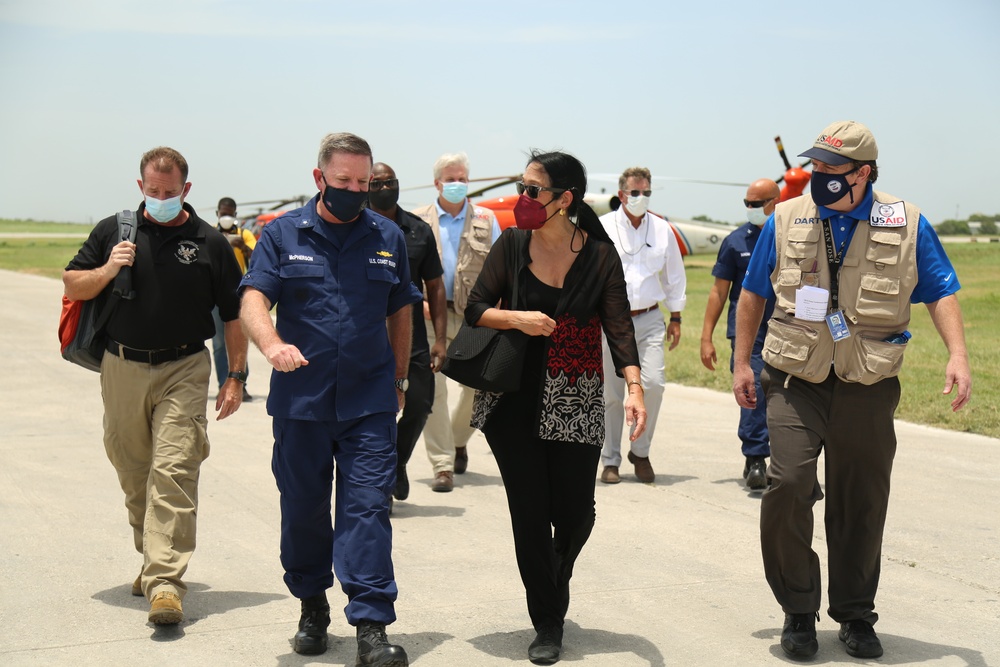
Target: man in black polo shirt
(425,270)
(154,379)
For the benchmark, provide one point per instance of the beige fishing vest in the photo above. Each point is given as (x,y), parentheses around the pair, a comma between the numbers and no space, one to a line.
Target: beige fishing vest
(473,247)
(878,274)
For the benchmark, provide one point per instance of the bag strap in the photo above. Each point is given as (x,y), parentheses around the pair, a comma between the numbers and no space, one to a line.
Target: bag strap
(122,287)
(512,256)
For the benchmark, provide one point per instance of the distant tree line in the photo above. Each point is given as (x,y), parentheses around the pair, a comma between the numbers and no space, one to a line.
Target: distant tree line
(987,225)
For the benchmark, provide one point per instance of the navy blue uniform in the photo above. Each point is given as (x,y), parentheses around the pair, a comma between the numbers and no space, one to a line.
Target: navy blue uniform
(731,265)
(334,286)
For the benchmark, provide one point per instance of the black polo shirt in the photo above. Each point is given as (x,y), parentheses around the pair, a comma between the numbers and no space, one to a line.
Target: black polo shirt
(180,274)
(425,264)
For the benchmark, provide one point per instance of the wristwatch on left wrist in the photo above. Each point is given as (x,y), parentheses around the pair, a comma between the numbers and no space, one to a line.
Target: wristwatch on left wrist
(402,384)
(241,376)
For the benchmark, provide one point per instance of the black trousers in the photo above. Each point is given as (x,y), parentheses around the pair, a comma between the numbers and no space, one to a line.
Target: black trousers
(853,424)
(550,493)
(419,399)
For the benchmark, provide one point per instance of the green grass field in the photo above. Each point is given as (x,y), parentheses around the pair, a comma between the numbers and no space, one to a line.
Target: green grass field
(977,265)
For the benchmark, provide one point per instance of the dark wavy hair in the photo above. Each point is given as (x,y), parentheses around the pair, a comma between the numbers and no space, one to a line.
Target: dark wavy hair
(567,172)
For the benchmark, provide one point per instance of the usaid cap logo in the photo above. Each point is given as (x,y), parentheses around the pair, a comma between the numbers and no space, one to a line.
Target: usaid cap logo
(830,141)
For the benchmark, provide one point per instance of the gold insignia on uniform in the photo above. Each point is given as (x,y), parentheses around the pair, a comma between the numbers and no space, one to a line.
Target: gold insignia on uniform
(383,253)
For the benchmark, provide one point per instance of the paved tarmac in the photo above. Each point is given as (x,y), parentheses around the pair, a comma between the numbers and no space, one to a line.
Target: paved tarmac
(671,576)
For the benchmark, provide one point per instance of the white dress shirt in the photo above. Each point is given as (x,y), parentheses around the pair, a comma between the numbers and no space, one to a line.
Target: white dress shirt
(654,270)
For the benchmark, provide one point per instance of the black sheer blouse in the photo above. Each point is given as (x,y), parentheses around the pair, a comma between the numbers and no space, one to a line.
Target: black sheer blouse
(570,406)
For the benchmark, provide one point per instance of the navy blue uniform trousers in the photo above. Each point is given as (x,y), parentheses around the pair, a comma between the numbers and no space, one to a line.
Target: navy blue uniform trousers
(752,431)
(359,541)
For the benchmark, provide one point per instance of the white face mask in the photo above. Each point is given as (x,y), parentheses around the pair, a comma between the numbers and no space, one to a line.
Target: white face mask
(637,206)
(227,222)
(756,216)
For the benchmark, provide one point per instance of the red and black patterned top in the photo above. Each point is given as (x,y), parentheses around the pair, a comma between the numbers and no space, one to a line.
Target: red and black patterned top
(571,399)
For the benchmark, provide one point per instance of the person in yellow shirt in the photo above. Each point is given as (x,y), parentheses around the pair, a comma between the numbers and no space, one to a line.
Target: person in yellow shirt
(243,243)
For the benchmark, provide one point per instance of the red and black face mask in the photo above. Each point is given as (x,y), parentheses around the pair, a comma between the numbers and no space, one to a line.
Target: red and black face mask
(530,213)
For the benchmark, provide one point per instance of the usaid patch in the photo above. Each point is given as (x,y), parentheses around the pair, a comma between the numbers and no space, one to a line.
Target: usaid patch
(888,215)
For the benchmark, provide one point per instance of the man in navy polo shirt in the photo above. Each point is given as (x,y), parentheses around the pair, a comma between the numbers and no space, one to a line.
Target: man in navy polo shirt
(340,278)
(730,267)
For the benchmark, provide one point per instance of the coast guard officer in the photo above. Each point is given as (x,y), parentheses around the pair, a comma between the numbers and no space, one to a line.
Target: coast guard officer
(341,276)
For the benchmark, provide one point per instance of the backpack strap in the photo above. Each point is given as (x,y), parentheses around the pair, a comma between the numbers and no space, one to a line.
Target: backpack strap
(122,287)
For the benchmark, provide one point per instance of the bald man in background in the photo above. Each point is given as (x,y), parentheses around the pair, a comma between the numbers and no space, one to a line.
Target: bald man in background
(730,267)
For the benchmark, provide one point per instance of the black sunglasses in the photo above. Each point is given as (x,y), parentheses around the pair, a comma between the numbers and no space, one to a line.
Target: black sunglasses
(755,204)
(636,193)
(389,183)
(533,190)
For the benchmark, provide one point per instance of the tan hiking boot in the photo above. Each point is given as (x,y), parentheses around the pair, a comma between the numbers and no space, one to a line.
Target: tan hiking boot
(165,609)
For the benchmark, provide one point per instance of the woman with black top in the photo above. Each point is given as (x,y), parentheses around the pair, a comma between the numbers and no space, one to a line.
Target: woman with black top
(547,436)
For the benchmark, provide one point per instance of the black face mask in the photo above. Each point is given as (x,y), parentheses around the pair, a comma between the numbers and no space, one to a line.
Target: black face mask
(828,189)
(384,199)
(343,204)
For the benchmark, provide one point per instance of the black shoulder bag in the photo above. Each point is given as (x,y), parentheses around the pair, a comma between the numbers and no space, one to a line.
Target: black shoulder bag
(485,358)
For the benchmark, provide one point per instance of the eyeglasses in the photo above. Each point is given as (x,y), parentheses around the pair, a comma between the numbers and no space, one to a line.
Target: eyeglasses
(636,193)
(755,204)
(389,184)
(533,190)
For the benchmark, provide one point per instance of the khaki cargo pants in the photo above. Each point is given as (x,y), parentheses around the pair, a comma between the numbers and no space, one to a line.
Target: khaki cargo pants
(155,435)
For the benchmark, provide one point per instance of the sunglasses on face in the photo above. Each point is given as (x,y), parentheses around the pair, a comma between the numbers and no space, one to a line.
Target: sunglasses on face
(636,193)
(389,184)
(533,190)
(755,204)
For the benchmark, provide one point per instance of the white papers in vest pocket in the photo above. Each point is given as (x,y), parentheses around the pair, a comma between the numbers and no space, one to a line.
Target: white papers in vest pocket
(811,303)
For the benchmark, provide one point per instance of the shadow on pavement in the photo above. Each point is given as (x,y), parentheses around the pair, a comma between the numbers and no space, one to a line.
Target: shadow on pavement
(577,643)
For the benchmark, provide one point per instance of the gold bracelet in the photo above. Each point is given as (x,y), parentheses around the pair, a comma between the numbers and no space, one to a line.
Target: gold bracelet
(632,382)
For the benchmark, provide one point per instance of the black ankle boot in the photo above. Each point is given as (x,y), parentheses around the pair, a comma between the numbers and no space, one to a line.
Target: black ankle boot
(375,650)
(547,646)
(315,619)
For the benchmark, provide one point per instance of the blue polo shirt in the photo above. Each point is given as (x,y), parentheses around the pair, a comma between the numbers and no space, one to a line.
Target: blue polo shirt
(731,264)
(333,292)
(450,227)
(936,277)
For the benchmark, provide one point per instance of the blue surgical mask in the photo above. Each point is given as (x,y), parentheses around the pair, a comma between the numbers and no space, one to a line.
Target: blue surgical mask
(828,189)
(163,210)
(756,216)
(455,192)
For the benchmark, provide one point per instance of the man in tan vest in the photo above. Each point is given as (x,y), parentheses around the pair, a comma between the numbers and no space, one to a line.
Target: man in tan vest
(842,264)
(464,234)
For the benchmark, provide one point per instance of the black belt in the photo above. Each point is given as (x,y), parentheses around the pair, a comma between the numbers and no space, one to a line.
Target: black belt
(633,313)
(154,357)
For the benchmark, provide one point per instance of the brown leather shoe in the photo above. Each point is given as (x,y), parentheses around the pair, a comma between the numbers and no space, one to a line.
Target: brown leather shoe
(165,609)
(137,587)
(610,475)
(443,482)
(643,468)
(461,460)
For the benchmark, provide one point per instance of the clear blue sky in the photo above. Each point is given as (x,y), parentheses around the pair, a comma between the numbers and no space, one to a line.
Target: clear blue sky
(246,90)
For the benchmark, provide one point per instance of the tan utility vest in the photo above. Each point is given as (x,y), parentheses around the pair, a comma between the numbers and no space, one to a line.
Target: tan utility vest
(473,246)
(877,276)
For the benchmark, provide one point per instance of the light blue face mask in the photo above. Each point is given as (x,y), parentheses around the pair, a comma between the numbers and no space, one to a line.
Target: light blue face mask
(163,210)
(455,192)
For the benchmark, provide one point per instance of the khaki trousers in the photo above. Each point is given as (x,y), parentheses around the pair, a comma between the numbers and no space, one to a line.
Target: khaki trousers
(853,425)
(443,432)
(155,435)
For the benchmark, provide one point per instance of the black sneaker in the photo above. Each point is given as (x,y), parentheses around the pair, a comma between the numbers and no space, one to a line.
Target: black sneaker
(860,638)
(315,619)
(402,491)
(374,647)
(798,637)
(756,473)
(246,396)
(547,646)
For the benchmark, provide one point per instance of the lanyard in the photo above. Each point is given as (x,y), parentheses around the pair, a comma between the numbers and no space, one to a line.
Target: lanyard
(833,258)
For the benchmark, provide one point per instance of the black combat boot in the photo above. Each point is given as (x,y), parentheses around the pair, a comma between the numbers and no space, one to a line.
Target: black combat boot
(315,619)
(375,650)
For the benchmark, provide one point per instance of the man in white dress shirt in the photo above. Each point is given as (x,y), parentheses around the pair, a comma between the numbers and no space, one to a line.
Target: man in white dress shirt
(654,273)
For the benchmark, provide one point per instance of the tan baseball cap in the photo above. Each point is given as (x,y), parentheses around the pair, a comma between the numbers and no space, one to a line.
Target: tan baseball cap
(842,142)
